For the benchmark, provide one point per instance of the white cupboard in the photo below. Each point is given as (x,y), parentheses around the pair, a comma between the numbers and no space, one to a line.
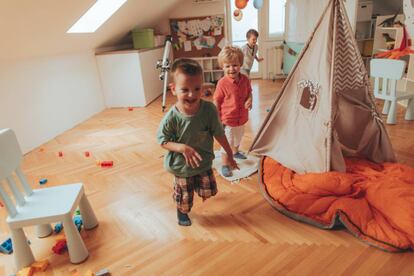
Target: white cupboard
(129,78)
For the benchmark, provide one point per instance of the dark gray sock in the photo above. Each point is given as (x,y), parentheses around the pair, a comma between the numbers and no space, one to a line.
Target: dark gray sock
(183,219)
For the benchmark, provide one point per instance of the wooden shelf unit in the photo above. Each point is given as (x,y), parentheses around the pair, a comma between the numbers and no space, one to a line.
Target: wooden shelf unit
(211,69)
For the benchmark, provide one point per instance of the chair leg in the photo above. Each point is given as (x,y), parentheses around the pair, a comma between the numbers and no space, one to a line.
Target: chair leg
(44,230)
(386,107)
(409,113)
(392,114)
(77,249)
(88,216)
(23,255)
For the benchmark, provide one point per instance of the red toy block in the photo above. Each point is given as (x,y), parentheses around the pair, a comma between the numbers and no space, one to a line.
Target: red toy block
(130,108)
(60,154)
(60,247)
(87,153)
(107,163)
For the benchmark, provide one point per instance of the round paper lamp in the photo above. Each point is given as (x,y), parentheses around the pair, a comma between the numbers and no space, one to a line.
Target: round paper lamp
(258,4)
(237,14)
(241,4)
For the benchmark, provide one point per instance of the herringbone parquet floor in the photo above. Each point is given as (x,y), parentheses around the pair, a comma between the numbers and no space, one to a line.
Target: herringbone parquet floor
(235,233)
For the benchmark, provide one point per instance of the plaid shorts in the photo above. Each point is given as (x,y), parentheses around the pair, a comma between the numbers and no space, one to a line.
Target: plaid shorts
(204,184)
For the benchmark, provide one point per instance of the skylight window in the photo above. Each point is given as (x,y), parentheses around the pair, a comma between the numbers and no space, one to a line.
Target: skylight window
(96,16)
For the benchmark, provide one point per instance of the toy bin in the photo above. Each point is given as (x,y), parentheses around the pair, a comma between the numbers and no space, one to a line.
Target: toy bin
(143,38)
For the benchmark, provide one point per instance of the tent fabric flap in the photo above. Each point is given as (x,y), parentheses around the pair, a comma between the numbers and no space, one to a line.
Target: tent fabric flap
(325,110)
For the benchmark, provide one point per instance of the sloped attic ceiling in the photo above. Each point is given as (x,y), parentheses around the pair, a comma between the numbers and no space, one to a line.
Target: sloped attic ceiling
(31,28)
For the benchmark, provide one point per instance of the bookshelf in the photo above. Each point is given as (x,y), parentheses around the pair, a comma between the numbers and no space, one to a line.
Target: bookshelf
(211,70)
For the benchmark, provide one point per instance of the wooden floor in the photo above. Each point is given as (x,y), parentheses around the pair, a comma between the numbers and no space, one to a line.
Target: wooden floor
(237,232)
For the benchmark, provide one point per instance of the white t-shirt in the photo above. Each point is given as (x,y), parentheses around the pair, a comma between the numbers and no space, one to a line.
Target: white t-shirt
(249,54)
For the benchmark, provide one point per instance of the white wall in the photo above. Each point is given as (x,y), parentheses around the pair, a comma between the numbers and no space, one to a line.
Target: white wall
(302,16)
(187,8)
(43,97)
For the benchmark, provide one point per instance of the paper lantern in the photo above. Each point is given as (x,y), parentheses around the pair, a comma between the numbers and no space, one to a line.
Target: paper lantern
(258,4)
(241,4)
(237,14)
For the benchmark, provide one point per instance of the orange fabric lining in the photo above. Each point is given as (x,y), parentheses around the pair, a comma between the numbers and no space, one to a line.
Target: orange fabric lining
(374,201)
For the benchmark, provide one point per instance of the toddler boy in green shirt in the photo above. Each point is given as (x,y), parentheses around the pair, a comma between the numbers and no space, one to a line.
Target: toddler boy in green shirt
(187,132)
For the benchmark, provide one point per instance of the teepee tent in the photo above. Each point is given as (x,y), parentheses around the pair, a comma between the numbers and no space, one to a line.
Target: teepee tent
(325,110)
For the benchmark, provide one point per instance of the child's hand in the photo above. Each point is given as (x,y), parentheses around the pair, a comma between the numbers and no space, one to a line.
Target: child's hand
(248,104)
(192,157)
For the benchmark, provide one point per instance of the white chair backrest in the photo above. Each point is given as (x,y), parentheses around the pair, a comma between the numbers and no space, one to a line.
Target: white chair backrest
(387,68)
(11,154)
(10,160)
(390,70)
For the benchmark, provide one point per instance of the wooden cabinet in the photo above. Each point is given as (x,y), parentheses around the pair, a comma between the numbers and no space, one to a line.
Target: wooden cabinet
(130,77)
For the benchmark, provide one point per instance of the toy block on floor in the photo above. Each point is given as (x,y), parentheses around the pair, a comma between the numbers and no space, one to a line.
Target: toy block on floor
(6,247)
(40,266)
(58,227)
(60,247)
(26,271)
(103,272)
(43,181)
(107,163)
(77,220)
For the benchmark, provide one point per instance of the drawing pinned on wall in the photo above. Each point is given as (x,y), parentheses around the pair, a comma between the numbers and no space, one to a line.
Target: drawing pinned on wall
(197,36)
(194,27)
(217,32)
(237,14)
(217,21)
(222,43)
(205,42)
(206,24)
(187,46)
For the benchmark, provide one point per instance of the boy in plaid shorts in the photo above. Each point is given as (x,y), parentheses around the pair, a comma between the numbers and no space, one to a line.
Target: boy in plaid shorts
(187,132)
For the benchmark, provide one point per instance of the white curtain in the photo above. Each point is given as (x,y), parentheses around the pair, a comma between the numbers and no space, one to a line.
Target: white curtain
(302,16)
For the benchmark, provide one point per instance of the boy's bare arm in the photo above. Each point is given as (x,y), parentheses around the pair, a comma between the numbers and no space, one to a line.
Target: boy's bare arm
(222,140)
(259,59)
(192,157)
(249,102)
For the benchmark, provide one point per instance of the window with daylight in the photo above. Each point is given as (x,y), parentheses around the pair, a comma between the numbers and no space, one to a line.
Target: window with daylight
(276,16)
(101,11)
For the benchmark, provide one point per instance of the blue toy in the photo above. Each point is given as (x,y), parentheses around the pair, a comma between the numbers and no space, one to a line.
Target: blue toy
(43,181)
(78,222)
(6,247)
(58,227)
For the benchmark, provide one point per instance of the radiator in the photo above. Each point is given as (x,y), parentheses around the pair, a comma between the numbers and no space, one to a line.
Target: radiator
(274,57)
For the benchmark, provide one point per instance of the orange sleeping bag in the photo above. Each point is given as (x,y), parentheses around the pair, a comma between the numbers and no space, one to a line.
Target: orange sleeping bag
(375,202)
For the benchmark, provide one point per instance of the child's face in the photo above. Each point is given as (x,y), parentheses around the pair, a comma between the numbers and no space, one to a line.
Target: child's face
(232,68)
(187,89)
(252,40)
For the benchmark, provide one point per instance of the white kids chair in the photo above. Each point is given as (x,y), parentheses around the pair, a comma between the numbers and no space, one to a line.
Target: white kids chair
(40,207)
(390,71)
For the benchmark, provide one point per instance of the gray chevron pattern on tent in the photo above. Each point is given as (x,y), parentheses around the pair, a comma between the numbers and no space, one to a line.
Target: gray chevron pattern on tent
(349,68)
